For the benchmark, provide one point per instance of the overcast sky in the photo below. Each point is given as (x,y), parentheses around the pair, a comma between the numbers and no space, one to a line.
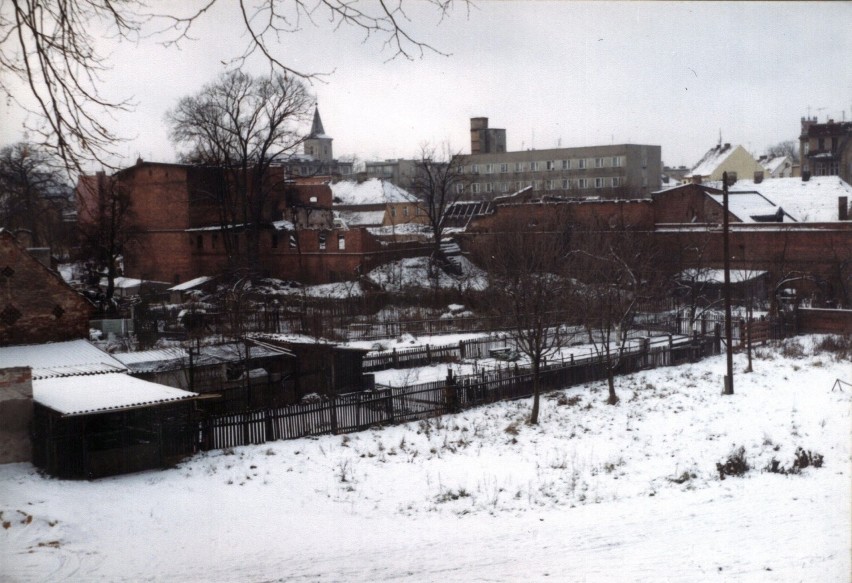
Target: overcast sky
(550,73)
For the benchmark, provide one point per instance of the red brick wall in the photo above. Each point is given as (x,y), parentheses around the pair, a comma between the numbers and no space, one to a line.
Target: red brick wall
(605,214)
(688,204)
(37,305)
(824,321)
(16,412)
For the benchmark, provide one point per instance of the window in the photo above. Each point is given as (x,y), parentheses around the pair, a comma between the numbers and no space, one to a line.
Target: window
(405,211)
(322,237)
(341,241)
(566,184)
(504,187)
(313,199)
(615,181)
(598,182)
(488,187)
(459,188)
(489,168)
(537,185)
(582,183)
(519,167)
(534,166)
(551,185)
(599,162)
(521,185)
(551,165)
(581,164)
(393,211)
(474,168)
(474,188)
(617,161)
(566,164)
(504,168)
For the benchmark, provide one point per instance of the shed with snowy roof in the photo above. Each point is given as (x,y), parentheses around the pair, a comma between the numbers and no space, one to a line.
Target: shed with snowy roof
(89,418)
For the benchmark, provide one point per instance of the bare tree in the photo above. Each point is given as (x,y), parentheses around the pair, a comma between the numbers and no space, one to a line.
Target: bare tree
(243,125)
(527,285)
(616,274)
(106,225)
(33,193)
(785,148)
(53,54)
(438,182)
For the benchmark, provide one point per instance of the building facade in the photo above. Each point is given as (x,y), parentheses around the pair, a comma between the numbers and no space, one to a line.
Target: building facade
(826,148)
(614,171)
(399,171)
(317,158)
(735,160)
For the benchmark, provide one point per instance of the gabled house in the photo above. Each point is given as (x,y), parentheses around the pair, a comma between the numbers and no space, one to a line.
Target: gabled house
(375,203)
(36,304)
(736,161)
(777,167)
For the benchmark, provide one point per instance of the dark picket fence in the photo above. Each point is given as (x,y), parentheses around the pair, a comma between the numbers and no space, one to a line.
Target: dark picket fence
(391,405)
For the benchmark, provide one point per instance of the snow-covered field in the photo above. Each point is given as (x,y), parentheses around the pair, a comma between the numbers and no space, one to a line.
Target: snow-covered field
(594,493)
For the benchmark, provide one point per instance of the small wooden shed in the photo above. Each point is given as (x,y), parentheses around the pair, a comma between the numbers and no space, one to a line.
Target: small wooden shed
(90,426)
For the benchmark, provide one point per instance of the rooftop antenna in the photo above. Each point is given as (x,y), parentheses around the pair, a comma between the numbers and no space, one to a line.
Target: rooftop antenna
(720,137)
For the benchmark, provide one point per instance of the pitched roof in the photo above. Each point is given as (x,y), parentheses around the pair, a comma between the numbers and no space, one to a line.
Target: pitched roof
(372,191)
(60,359)
(108,392)
(774,164)
(812,201)
(714,158)
(751,207)
(317,130)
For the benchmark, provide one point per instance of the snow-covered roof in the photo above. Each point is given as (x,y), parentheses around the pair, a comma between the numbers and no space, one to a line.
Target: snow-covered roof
(714,158)
(750,207)
(284,225)
(774,164)
(192,283)
(718,275)
(372,191)
(60,359)
(123,282)
(361,218)
(151,360)
(813,201)
(108,392)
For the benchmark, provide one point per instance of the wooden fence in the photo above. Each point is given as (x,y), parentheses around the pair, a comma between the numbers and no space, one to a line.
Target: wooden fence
(390,405)
(426,355)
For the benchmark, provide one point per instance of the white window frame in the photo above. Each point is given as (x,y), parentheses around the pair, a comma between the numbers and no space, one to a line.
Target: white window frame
(566,164)
(615,182)
(581,164)
(582,183)
(599,182)
(599,162)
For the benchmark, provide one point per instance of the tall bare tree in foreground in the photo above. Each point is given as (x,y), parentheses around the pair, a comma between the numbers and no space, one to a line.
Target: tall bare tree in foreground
(243,125)
(616,271)
(53,53)
(528,285)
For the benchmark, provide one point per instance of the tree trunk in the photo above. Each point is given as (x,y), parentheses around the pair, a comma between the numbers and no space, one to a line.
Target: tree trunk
(610,379)
(536,391)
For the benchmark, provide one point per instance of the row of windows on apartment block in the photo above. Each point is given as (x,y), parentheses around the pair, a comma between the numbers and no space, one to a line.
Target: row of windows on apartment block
(579,164)
(581,183)
(292,243)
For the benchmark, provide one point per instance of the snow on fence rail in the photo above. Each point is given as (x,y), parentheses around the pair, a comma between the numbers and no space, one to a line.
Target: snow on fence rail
(391,405)
(426,355)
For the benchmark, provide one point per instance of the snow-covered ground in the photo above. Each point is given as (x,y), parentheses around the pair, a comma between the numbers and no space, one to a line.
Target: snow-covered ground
(593,493)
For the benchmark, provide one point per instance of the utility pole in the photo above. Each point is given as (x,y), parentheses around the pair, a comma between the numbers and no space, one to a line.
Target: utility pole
(729,378)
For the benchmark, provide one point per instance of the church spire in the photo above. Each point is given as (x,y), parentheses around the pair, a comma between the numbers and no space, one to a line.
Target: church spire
(317,129)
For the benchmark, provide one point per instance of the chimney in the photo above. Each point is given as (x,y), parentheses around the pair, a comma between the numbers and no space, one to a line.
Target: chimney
(842,208)
(758,176)
(806,175)
(732,178)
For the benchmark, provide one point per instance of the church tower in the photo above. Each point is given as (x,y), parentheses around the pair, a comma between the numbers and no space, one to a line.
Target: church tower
(318,144)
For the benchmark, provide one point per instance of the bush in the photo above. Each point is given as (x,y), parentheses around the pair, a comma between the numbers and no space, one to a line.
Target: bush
(803,458)
(735,465)
(840,346)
